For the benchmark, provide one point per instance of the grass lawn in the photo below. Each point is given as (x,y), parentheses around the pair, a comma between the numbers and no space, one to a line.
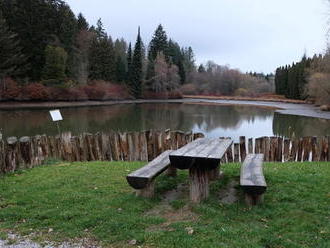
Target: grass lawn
(67,201)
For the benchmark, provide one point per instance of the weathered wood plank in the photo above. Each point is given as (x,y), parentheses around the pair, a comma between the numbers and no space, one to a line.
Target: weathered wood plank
(267,151)
(182,151)
(236,153)
(221,149)
(204,152)
(286,150)
(252,173)
(140,178)
(230,154)
(279,154)
(11,158)
(250,145)
(242,147)
(252,179)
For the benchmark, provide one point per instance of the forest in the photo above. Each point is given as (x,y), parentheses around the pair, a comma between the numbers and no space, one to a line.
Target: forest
(48,53)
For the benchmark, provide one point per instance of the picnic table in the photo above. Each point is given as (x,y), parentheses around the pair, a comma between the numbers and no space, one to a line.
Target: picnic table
(202,158)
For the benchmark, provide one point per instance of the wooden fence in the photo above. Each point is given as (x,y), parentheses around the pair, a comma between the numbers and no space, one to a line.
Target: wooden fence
(28,152)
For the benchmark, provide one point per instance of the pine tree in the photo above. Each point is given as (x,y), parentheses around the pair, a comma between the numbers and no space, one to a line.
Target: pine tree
(38,24)
(120,48)
(82,23)
(136,76)
(102,64)
(176,57)
(55,64)
(201,68)
(129,64)
(12,59)
(158,43)
(188,59)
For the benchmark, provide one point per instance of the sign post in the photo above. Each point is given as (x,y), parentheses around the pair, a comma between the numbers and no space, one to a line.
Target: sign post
(56,117)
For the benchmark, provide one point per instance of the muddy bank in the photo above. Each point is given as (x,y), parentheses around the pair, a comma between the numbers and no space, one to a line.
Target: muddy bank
(300,109)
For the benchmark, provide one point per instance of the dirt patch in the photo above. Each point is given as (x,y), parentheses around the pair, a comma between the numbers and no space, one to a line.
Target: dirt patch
(229,194)
(172,214)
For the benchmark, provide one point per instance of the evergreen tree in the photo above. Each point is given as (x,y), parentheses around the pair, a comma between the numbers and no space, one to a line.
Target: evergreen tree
(158,43)
(12,59)
(188,59)
(201,68)
(176,57)
(82,23)
(39,23)
(55,65)
(120,69)
(129,64)
(101,56)
(120,48)
(136,73)
(291,80)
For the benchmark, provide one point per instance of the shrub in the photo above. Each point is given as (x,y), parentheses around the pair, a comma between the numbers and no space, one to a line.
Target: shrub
(116,91)
(189,89)
(242,92)
(36,92)
(10,89)
(95,91)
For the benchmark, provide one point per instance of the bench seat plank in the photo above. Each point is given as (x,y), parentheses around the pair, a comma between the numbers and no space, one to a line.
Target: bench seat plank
(140,178)
(252,178)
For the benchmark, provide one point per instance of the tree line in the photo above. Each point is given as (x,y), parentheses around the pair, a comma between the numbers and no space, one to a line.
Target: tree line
(214,79)
(291,80)
(306,79)
(43,41)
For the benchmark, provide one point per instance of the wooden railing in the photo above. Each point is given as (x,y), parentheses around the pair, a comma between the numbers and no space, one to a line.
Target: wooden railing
(28,152)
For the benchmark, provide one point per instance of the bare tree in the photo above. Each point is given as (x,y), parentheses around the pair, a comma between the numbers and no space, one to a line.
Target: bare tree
(166,76)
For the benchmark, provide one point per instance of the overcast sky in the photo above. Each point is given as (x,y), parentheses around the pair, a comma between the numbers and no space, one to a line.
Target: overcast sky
(252,35)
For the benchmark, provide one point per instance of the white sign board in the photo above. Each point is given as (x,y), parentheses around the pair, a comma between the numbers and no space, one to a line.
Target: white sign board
(56,115)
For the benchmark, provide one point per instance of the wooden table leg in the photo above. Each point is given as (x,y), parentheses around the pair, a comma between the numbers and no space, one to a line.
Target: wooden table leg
(199,184)
(214,174)
(171,171)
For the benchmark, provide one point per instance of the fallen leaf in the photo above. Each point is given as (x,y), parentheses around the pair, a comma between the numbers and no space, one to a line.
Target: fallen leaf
(189,230)
(132,242)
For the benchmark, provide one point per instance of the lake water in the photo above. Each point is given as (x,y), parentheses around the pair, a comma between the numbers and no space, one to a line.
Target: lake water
(212,120)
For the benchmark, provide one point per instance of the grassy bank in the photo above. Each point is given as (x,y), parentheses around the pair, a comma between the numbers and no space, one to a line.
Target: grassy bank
(93,200)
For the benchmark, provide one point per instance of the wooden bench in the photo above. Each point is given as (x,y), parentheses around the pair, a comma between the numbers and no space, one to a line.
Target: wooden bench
(143,179)
(252,179)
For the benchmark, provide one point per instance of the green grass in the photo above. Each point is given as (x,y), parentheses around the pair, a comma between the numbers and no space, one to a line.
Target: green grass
(94,200)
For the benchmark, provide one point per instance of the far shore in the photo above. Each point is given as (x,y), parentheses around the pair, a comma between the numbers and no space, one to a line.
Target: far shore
(284,106)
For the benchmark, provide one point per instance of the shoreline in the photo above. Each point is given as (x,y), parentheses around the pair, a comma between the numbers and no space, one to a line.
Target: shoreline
(301,109)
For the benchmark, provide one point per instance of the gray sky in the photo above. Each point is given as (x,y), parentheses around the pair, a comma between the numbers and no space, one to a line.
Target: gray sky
(252,35)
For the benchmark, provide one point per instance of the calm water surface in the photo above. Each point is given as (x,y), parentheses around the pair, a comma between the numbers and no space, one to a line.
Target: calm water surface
(212,120)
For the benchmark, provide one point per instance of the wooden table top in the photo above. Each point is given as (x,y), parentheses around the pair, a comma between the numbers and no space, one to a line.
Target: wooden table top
(203,152)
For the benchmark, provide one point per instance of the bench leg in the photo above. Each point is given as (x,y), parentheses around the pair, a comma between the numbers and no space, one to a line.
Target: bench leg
(147,192)
(199,184)
(171,171)
(252,200)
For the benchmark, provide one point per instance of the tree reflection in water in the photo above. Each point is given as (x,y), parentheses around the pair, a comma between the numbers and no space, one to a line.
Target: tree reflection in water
(213,120)
(299,126)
